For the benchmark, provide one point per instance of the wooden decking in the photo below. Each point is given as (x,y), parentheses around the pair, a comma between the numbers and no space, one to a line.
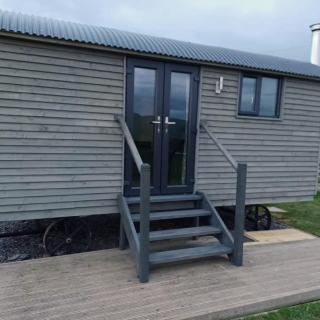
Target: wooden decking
(103,285)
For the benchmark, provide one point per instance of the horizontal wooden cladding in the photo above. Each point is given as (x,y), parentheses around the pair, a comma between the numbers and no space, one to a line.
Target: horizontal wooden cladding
(58,52)
(108,107)
(110,93)
(259,196)
(282,156)
(60,62)
(58,213)
(8,80)
(262,158)
(60,148)
(45,128)
(61,142)
(34,198)
(85,170)
(63,177)
(55,114)
(63,156)
(289,125)
(256,178)
(40,97)
(279,186)
(264,198)
(66,184)
(25,164)
(60,77)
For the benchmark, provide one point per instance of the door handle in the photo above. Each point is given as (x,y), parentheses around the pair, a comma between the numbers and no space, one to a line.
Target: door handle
(167,123)
(157,122)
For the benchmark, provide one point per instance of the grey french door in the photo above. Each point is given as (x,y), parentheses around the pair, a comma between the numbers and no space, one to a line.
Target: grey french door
(161,112)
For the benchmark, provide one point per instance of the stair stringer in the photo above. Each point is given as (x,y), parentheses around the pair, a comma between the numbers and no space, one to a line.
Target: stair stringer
(225,237)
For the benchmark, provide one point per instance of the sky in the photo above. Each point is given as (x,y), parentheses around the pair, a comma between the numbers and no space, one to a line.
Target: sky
(276,27)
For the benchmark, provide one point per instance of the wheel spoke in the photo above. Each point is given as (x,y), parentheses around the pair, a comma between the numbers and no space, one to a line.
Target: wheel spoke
(75,232)
(57,233)
(57,247)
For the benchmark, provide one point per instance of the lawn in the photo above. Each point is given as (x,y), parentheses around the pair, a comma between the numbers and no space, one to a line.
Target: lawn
(304,216)
(309,311)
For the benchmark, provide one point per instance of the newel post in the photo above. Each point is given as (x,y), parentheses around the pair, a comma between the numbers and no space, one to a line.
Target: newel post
(144,223)
(237,257)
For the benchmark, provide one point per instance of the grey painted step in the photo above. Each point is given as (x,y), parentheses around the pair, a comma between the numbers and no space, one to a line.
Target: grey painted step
(178,214)
(166,198)
(183,233)
(188,254)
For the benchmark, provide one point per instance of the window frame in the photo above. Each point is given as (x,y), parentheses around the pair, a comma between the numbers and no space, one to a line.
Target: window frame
(257,98)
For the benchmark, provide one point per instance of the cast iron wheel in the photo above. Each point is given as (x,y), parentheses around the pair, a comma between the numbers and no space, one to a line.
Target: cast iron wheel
(258,217)
(66,236)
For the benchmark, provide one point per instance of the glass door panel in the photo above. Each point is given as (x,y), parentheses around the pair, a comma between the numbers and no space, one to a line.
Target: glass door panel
(144,94)
(178,128)
(180,121)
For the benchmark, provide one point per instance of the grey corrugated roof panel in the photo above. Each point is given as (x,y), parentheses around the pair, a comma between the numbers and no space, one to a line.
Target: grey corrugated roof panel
(57,29)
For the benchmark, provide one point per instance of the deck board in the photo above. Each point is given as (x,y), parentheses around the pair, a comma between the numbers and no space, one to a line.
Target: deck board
(103,285)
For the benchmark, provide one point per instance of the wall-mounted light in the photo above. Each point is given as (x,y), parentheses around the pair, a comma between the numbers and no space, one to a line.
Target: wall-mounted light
(219,85)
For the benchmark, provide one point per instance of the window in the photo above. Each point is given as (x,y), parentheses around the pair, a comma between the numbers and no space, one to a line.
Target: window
(260,96)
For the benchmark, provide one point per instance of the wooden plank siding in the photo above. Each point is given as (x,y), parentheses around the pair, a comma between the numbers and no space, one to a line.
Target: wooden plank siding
(60,148)
(282,155)
(61,151)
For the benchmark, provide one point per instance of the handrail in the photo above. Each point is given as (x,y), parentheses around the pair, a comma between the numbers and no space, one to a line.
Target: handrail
(144,170)
(225,152)
(241,169)
(132,146)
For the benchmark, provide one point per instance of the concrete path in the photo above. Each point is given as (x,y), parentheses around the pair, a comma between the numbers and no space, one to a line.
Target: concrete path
(102,285)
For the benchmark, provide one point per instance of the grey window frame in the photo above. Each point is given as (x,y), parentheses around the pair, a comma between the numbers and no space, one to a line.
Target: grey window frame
(256,112)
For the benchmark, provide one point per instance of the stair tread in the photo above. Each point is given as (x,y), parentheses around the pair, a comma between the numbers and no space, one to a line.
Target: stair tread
(188,254)
(166,198)
(183,233)
(174,214)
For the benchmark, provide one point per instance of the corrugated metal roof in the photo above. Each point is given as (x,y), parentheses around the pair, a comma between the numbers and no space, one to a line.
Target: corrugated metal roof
(70,31)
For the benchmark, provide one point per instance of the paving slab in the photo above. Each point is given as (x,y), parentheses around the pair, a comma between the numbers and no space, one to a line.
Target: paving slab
(276,236)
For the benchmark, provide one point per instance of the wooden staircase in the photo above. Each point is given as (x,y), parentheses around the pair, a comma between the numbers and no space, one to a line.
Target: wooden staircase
(139,213)
(203,220)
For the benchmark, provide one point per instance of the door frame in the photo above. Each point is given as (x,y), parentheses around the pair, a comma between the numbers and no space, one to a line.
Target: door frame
(128,159)
(192,128)
(162,97)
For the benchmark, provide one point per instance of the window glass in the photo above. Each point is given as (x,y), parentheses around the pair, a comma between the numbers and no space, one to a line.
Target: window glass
(259,96)
(268,97)
(247,104)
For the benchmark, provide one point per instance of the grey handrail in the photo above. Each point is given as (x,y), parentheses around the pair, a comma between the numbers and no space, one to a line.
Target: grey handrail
(144,170)
(225,152)
(132,146)
(241,169)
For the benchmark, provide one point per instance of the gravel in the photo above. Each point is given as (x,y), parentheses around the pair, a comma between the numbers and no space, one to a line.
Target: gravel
(22,240)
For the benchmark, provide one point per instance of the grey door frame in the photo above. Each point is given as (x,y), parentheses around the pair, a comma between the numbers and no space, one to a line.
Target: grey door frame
(192,128)
(160,157)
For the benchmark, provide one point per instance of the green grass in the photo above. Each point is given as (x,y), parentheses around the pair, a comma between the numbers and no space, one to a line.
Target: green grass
(309,311)
(301,215)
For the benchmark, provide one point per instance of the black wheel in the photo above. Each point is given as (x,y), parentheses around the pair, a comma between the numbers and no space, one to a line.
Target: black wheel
(258,217)
(66,236)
